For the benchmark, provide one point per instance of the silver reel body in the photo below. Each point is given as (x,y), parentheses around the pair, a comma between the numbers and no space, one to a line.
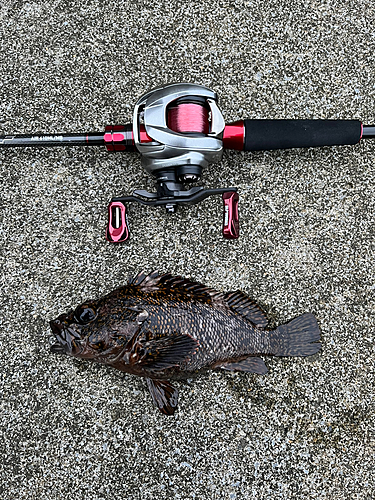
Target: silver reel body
(170,149)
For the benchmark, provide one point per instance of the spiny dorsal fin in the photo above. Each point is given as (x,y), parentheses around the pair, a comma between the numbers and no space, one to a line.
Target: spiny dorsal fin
(246,307)
(142,278)
(176,284)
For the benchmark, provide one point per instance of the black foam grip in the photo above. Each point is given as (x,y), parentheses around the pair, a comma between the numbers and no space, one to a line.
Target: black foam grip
(263,135)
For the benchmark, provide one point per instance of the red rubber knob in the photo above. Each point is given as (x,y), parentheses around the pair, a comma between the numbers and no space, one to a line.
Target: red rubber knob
(117,229)
(231,227)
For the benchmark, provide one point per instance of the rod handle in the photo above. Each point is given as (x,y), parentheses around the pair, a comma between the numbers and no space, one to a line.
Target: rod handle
(263,135)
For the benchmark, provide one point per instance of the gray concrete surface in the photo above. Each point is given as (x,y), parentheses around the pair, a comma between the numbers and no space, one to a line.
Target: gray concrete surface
(73,430)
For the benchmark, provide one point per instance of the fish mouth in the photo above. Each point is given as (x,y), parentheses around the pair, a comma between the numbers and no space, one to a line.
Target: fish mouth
(65,338)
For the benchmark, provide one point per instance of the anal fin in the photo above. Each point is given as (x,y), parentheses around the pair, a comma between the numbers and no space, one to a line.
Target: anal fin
(164,395)
(251,364)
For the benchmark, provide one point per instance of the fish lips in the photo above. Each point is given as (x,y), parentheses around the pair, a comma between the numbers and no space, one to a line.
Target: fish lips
(65,338)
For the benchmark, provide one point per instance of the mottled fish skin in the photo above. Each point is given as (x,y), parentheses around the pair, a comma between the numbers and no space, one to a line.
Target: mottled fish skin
(163,327)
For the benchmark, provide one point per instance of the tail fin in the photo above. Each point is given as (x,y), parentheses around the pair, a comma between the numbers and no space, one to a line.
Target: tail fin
(297,338)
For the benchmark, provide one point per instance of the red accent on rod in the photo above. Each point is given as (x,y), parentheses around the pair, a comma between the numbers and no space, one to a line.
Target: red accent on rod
(234,135)
(117,138)
(108,138)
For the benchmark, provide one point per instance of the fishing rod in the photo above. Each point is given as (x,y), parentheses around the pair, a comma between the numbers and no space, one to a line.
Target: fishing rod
(179,130)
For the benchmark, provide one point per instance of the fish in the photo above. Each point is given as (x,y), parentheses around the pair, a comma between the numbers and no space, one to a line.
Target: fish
(165,328)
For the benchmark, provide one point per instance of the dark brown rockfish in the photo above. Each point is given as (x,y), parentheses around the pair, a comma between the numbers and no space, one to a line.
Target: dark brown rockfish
(163,327)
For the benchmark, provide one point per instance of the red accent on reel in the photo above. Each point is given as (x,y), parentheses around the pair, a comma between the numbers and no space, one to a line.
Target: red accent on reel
(117,229)
(143,137)
(231,227)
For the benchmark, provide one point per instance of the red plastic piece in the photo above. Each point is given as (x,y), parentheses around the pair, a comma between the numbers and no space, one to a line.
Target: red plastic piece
(117,229)
(143,137)
(119,138)
(231,227)
(234,135)
(184,118)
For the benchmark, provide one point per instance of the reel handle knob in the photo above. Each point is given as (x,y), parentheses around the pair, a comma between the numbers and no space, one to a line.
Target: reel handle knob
(117,228)
(231,227)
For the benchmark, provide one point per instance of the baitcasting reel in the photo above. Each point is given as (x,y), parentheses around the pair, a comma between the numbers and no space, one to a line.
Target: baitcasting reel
(179,130)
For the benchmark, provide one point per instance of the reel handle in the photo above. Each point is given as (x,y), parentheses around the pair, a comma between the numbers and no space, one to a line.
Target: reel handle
(117,228)
(231,227)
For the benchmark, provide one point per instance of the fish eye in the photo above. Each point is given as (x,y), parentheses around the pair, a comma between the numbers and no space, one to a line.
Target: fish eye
(84,314)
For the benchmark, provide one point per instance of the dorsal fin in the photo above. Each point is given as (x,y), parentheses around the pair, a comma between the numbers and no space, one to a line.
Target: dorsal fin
(142,278)
(177,284)
(246,307)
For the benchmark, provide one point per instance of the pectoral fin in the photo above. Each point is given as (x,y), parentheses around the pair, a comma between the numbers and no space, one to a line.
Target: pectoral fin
(160,353)
(164,395)
(251,364)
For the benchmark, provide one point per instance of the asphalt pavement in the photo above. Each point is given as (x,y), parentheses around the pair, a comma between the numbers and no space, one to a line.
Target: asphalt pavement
(75,430)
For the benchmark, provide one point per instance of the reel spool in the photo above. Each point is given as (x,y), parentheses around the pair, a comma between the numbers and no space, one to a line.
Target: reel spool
(189,116)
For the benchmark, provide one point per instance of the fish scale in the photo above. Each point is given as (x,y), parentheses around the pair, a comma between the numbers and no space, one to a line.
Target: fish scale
(163,327)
